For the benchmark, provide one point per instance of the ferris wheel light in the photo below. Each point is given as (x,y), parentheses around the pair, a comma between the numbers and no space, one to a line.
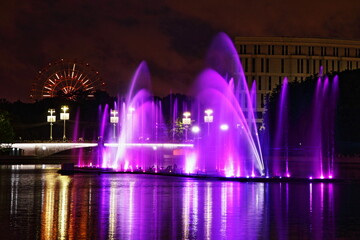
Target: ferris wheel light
(68,77)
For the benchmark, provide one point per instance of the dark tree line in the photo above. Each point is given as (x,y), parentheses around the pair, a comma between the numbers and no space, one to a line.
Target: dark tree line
(28,121)
(346,130)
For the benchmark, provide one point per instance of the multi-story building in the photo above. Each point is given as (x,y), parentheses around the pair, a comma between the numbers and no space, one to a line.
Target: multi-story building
(268,60)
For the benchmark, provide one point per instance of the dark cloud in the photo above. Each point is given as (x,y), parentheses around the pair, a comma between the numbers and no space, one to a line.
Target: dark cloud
(188,36)
(172,36)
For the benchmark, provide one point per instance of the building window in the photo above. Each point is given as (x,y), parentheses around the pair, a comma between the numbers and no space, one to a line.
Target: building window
(314,66)
(257,49)
(327,65)
(246,65)
(279,80)
(253,65)
(338,66)
(267,65)
(282,65)
(298,65)
(347,52)
(242,49)
(259,83)
(262,101)
(332,65)
(311,51)
(285,50)
(307,66)
(298,50)
(335,51)
(269,84)
(262,65)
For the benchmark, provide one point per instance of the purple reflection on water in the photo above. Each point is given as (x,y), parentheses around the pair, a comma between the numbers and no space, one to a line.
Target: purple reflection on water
(42,204)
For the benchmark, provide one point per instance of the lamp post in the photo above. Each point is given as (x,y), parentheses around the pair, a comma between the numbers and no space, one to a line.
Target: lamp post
(208,118)
(114,119)
(186,121)
(50,119)
(64,116)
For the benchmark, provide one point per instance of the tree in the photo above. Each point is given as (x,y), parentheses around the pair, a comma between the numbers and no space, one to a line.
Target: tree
(7,134)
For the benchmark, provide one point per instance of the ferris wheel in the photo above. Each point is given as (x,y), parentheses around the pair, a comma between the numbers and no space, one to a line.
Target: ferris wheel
(68,79)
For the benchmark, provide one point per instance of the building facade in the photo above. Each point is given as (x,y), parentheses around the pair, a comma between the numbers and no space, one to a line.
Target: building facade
(268,60)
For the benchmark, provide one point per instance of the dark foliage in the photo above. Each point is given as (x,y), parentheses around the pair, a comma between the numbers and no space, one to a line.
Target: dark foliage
(300,107)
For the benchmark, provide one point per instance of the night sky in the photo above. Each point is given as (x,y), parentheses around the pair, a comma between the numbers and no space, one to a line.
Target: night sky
(171,36)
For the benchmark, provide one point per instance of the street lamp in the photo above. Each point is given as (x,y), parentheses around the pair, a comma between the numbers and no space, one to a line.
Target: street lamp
(208,118)
(114,119)
(186,121)
(50,119)
(64,116)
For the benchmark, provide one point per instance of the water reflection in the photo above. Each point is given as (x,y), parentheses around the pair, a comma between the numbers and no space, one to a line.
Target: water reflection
(51,206)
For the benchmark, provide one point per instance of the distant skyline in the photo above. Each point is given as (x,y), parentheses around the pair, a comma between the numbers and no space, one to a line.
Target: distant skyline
(171,36)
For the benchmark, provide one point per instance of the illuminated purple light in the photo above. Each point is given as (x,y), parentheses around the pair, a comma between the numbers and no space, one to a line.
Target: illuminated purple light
(221,94)
(224,127)
(195,129)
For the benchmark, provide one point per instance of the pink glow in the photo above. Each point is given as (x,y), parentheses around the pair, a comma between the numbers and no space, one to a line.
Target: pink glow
(190,163)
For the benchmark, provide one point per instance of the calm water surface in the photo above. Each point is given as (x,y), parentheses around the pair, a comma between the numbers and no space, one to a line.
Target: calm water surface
(38,203)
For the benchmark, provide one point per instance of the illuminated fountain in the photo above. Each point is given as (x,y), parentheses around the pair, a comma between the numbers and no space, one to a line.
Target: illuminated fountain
(140,117)
(303,137)
(220,134)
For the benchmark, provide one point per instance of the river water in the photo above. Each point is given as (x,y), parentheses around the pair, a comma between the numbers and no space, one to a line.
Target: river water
(38,203)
